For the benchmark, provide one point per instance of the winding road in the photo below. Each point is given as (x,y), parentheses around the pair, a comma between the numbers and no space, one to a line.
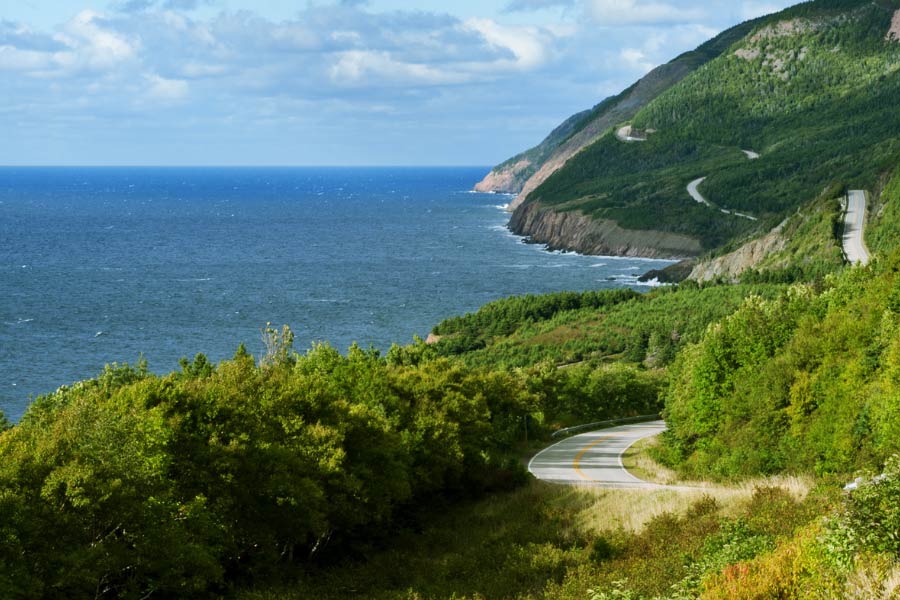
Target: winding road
(854,225)
(696,195)
(594,458)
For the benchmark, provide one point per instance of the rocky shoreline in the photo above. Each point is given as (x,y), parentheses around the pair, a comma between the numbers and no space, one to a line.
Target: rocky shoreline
(575,232)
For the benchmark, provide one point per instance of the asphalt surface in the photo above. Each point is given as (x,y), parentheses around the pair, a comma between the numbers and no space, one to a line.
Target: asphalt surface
(594,458)
(696,195)
(854,225)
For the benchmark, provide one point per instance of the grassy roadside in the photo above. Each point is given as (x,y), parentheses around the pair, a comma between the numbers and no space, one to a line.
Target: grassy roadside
(545,541)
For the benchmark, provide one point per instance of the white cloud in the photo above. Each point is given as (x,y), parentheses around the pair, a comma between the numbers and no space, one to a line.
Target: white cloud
(529,5)
(364,67)
(636,59)
(638,12)
(13,59)
(524,43)
(94,45)
(170,90)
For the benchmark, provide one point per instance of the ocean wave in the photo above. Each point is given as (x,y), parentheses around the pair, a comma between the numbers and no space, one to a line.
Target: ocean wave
(18,321)
(653,283)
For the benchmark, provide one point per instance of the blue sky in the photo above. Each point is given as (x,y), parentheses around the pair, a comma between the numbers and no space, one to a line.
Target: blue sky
(324,82)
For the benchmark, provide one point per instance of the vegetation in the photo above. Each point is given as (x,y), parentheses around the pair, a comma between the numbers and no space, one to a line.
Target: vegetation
(132,485)
(621,326)
(804,382)
(588,124)
(817,100)
(555,543)
(317,475)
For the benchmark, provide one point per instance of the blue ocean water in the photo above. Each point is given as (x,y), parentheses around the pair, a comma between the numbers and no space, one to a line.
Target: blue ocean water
(107,264)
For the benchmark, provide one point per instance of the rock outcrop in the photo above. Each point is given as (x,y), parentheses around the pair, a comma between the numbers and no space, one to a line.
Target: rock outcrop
(505,180)
(730,266)
(672,274)
(574,231)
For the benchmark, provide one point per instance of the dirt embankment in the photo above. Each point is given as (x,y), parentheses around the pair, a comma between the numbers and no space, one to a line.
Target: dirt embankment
(574,231)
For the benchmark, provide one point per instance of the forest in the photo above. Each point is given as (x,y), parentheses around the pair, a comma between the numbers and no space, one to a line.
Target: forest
(818,104)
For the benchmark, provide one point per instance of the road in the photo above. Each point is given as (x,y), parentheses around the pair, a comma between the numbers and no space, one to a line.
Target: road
(854,225)
(696,195)
(594,458)
(624,135)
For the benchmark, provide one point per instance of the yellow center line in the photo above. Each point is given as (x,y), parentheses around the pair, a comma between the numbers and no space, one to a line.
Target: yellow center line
(577,462)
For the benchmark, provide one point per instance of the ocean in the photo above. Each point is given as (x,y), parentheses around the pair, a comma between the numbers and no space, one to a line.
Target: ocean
(103,265)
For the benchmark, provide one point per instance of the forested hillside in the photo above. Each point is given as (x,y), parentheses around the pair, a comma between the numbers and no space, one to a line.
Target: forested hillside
(812,90)
(524,172)
(807,382)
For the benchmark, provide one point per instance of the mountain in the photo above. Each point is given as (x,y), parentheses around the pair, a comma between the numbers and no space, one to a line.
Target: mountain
(758,121)
(524,172)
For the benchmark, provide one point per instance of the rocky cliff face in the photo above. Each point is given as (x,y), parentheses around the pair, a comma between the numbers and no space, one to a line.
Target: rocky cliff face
(507,179)
(576,232)
(731,265)
(510,177)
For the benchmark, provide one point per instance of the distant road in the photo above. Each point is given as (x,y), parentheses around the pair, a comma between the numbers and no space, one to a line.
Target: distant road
(594,458)
(696,195)
(854,226)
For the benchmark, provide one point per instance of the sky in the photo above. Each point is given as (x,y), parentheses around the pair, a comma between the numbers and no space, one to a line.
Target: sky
(323,82)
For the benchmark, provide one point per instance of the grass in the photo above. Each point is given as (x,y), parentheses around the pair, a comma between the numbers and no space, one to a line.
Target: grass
(541,542)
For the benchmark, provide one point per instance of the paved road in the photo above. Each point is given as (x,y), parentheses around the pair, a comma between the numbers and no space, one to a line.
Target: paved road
(696,195)
(854,225)
(594,458)
(624,135)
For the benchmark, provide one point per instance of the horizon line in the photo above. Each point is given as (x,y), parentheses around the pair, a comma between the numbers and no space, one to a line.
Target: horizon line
(237,166)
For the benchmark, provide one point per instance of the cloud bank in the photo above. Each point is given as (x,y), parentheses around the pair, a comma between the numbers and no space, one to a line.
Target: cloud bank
(339,82)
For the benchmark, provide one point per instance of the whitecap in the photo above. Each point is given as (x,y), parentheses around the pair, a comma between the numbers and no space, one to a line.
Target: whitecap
(19,321)
(652,283)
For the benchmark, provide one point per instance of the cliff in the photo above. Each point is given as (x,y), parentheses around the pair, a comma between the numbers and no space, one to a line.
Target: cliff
(510,176)
(574,231)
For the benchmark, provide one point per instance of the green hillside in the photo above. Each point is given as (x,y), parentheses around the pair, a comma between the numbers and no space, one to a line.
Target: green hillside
(812,89)
(529,168)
